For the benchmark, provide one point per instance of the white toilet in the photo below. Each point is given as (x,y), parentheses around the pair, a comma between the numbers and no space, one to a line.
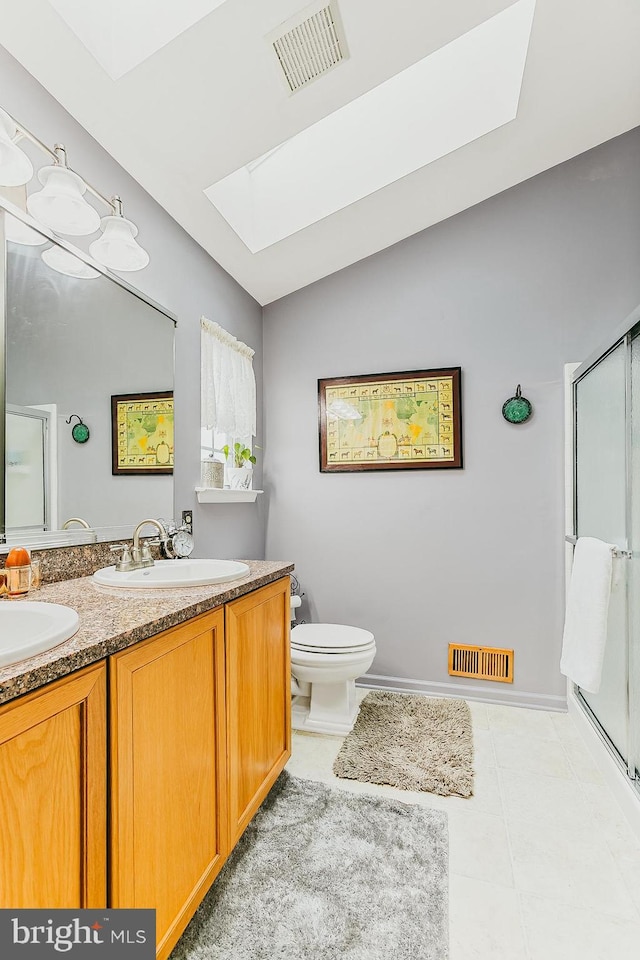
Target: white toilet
(326,658)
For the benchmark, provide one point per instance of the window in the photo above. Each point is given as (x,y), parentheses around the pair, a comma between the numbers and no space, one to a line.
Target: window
(228,403)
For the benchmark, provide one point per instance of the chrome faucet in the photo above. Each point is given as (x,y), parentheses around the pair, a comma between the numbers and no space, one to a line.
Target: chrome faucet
(141,556)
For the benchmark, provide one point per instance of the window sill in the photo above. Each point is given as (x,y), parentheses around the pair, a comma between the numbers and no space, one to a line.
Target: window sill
(213,495)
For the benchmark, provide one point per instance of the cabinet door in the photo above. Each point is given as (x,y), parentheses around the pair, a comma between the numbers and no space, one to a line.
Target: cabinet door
(53,795)
(168,819)
(258,697)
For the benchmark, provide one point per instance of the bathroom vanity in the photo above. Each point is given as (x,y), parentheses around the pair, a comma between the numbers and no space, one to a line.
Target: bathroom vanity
(190,690)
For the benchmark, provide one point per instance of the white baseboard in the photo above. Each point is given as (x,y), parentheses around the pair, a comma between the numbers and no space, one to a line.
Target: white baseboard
(511,698)
(622,788)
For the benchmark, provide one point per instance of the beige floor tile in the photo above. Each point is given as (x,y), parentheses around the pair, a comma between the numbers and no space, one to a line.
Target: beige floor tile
(479,847)
(630,873)
(565,727)
(479,715)
(486,794)
(582,763)
(611,822)
(532,755)
(568,865)
(534,723)
(483,752)
(557,932)
(484,921)
(541,800)
(312,755)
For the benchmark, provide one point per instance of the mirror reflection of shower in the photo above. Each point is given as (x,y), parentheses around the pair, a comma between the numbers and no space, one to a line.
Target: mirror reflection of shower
(31,468)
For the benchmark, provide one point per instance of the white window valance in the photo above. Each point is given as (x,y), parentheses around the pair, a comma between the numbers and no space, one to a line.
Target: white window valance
(228,383)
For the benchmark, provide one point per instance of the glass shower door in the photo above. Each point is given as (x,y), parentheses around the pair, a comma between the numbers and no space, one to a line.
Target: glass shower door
(634,573)
(601,402)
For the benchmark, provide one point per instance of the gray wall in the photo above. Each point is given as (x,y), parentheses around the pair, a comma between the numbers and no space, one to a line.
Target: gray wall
(185,280)
(509,290)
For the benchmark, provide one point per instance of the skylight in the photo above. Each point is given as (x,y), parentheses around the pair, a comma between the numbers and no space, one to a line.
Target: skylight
(120,34)
(450,98)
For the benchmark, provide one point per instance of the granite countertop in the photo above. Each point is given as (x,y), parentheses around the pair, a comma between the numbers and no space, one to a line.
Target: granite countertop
(111,620)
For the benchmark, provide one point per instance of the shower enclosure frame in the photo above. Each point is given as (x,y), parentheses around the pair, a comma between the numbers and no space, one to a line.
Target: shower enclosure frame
(624,336)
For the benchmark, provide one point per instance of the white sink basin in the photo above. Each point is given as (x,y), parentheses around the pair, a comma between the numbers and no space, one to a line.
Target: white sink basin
(173,573)
(29,627)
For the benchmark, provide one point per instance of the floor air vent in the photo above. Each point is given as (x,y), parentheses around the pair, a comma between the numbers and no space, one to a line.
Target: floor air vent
(309,47)
(484,663)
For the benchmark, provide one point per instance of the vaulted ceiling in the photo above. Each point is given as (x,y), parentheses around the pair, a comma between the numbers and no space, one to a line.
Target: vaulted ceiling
(184,95)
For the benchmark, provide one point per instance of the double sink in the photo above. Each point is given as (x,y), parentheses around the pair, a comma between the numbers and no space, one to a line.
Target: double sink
(29,627)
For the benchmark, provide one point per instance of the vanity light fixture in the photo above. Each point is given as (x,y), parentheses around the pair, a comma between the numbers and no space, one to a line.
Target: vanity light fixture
(18,232)
(117,247)
(61,206)
(62,261)
(15,166)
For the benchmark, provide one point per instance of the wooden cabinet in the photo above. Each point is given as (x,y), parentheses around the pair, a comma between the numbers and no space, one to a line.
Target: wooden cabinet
(258,689)
(53,795)
(199,725)
(168,790)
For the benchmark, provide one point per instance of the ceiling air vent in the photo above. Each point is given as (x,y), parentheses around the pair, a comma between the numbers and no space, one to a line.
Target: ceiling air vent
(312,44)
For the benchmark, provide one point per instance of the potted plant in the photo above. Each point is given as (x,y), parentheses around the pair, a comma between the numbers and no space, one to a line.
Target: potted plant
(240,475)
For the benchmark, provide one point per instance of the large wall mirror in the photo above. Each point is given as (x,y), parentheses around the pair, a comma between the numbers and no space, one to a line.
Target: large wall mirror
(71,344)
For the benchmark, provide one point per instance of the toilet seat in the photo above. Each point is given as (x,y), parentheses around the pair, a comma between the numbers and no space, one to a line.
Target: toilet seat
(331,638)
(326,660)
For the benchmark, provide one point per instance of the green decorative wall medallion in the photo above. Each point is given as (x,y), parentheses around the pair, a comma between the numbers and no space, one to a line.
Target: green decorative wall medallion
(79,431)
(517,409)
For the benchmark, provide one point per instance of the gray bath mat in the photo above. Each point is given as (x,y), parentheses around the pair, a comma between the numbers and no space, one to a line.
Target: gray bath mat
(324,874)
(410,742)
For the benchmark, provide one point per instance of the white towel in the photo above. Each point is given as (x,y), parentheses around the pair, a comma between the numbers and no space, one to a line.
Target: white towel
(585,625)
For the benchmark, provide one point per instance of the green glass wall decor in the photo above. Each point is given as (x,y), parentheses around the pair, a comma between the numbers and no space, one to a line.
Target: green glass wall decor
(79,431)
(517,409)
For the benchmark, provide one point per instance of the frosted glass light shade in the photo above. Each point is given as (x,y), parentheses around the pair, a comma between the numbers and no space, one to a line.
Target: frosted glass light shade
(60,205)
(18,232)
(117,247)
(15,166)
(64,262)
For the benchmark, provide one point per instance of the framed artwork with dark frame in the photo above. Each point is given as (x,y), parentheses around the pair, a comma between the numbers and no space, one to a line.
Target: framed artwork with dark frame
(142,433)
(391,421)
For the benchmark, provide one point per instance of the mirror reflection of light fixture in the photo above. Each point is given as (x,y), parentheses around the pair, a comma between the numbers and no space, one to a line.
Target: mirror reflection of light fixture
(61,205)
(62,261)
(15,166)
(117,247)
(18,232)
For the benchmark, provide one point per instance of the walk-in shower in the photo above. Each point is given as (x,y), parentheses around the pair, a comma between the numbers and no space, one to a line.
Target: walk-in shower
(606,505)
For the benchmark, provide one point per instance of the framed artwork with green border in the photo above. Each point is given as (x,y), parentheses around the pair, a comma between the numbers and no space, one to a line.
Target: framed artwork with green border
(142,433)
(391,421)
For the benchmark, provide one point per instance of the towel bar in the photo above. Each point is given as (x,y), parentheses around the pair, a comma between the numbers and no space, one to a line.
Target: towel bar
(618,553)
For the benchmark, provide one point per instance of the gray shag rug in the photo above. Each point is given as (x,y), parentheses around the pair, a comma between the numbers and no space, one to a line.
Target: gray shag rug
(411,742)
(324,874)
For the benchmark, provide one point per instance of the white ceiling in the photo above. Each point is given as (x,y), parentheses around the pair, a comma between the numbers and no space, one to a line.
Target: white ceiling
(211,100)
(444,101)
(123,33)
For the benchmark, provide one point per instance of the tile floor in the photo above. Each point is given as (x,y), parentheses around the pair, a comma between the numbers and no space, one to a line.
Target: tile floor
(543,864)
